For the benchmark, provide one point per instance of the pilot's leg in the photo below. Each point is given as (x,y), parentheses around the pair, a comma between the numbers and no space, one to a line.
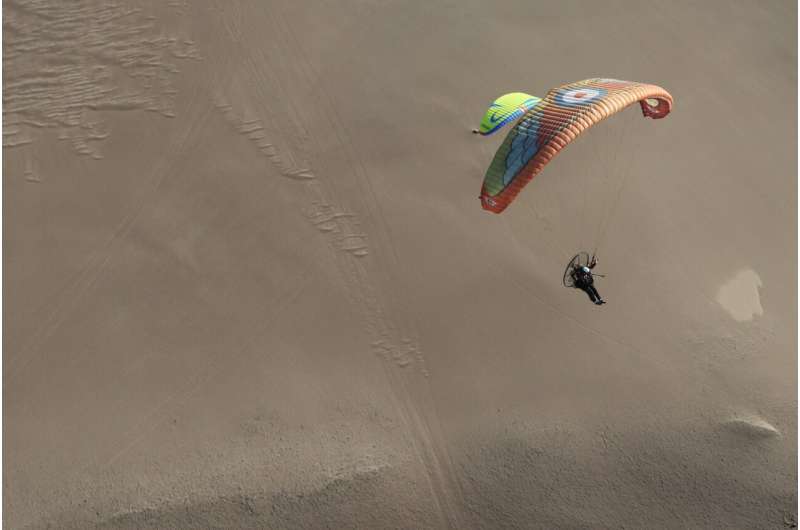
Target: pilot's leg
(596,296)
(589,290)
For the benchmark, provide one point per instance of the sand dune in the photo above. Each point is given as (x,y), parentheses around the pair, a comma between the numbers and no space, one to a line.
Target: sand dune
(249,283)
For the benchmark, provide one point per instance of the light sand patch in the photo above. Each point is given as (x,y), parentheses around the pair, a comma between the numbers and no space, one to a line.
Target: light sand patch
(751,426)
(740,296)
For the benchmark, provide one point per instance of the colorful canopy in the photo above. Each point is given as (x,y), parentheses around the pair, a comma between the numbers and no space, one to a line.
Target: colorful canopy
(551,124)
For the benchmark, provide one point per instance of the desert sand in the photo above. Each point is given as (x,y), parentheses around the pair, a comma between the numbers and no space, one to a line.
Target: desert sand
(249,284)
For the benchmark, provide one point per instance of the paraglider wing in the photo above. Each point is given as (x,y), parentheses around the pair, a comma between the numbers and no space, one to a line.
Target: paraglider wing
(546,129)
(505,110)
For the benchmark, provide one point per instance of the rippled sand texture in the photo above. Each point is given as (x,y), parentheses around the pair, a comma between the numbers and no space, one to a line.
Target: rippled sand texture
(66,59)
(249,284)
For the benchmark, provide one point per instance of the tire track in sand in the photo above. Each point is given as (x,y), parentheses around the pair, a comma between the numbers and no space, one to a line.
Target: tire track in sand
(365,258)
(72,293)
(69,92)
